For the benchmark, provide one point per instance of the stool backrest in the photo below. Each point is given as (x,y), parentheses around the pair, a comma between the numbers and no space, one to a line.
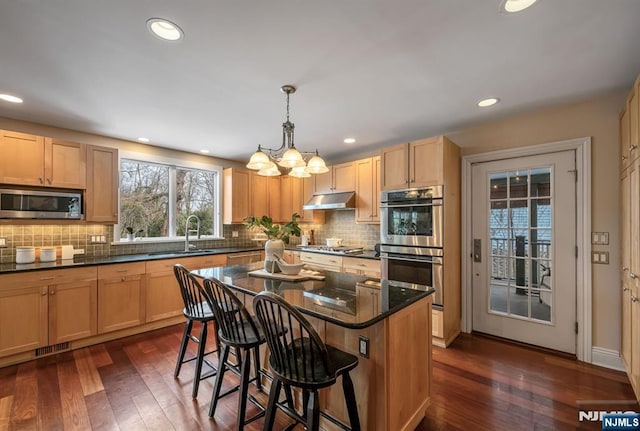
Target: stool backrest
(234,321)
(297,351)
(194,301)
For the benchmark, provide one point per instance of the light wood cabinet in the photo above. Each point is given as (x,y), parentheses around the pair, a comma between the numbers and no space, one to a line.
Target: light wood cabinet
(368,190)
(43,308)
(327,262)
(361,266)
(310,216)
(162,293)
(340,178)
(630,237)
(120,296)
(103,179)
(44,162)
(291,256)
(416,164)
(259,195)
(275,193)
(236,195)
(290,197)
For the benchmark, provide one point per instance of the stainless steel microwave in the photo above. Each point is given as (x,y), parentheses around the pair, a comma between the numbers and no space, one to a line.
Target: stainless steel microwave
(40,204)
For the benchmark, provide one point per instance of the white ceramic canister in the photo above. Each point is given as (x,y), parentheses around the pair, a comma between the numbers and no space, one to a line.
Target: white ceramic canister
(47,254)
(25,254)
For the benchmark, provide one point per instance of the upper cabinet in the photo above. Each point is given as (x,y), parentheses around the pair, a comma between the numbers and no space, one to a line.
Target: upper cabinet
(368,190)
(44,162)
(236,197)
(417,164)
(310,216)
(101,198)
(633,106)
(340,178)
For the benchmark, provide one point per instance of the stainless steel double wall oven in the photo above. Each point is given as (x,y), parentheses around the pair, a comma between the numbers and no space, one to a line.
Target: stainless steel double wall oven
(411,236)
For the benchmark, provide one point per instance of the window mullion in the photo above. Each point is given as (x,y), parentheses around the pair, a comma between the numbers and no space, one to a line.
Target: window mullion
(172,201)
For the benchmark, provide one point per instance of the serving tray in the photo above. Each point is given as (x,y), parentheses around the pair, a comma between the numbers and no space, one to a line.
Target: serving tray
(304,274)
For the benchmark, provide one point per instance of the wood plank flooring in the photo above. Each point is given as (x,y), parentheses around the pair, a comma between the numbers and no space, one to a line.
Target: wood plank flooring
(128,384)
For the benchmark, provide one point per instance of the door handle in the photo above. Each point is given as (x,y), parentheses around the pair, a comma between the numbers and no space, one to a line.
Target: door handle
(477,250)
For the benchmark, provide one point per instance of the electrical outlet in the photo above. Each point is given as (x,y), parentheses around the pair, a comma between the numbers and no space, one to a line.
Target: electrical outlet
(600,257)
(234,234)
(3,242)
(363,346)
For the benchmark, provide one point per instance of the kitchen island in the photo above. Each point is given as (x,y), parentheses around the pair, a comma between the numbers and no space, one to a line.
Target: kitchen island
(386,324)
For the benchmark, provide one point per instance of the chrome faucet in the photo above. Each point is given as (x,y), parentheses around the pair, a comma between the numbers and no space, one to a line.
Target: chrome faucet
(187,231)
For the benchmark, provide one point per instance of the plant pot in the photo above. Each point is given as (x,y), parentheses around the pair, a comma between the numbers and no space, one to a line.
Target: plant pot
(130,237)
(272,248)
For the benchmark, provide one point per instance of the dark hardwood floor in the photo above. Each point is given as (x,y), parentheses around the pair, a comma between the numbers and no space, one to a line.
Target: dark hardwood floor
(128,384)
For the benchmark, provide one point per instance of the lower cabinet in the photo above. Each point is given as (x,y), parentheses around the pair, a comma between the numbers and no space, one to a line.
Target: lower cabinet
(46,307)
(360,266)
(327,262)
(163,298)
(120,296)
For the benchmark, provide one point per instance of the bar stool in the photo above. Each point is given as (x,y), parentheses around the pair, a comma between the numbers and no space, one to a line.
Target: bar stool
(238,330)
(196,309)
(299,358)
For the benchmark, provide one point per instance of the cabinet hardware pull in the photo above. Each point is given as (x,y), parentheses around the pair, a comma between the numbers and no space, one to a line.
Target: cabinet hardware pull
(122,270)
(44,293)
(632,147)
(123,279)
(40,179)
(625,268)
(632,275)
(47,278)
(53,292)
(624,158)
(624,289)
(361,264)
(634,298)
(49,180)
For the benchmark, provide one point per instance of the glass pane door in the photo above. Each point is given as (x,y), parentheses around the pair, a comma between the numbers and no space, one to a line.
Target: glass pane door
(520,230)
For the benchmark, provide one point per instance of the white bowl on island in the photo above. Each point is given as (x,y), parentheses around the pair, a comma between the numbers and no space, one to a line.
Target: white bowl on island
(289,268)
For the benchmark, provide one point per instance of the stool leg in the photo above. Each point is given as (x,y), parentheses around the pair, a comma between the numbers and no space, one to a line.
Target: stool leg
(201,350)
(256,365)
(352,405)
(245,375)
(219,376)
(274,393)
(183,346)
(312,411)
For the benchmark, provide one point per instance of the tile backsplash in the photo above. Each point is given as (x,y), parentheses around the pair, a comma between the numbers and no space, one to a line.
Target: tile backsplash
(339,224)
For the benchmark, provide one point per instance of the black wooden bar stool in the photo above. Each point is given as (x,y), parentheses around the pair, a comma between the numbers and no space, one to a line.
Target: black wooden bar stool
(238,330)
(299,358)
(196,309)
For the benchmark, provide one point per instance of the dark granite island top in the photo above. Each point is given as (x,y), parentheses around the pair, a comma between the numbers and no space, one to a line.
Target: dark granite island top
(348,300)
(386,324)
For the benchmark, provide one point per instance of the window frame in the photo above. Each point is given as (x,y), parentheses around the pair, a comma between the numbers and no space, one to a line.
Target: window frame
(173,164)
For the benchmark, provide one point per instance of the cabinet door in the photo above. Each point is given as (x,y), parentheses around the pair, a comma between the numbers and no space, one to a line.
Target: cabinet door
(73,310)
(275,196)
(23,319)
(120,296)
(259,195)
(310,216)
(632,107)
(344,177)
(626,281)
(286,204)
(376,190)
(22,160)
(297,196)
(324,182)
(624,138)
(237,189)
(103,177)
(163,297)
(426,162)
(65,164)
(364,191)
(394,165)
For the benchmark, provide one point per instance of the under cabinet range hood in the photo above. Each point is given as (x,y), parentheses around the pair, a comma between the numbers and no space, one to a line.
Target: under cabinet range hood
(333,201)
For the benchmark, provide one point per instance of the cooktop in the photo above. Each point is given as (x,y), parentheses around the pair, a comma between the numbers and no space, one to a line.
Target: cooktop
(338,250)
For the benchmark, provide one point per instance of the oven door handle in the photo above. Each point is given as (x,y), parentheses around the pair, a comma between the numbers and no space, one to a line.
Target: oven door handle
(428,259)
(432,204)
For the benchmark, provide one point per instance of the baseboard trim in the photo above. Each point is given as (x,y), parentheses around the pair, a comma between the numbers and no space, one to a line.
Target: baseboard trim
(606,358)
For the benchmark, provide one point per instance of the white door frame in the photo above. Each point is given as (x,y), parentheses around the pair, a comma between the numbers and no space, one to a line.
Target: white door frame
(582,147)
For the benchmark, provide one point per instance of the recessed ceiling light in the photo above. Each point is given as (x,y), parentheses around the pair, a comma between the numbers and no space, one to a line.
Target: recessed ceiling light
(204,151)
(165,30)
(349,140)
(10,98)
(515,5)
(488,102)
(141,139)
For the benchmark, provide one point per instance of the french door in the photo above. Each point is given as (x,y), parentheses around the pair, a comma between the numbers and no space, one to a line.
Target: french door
(524,231)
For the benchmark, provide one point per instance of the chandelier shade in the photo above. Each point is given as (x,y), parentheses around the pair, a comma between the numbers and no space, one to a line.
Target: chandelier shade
(301,163)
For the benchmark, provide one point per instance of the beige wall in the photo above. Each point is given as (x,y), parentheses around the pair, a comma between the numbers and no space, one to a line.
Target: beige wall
(597,118)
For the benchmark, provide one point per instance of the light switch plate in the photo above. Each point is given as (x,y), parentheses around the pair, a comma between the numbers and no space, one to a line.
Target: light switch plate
(601,257)
(600,238)
(3,242)
(363,346)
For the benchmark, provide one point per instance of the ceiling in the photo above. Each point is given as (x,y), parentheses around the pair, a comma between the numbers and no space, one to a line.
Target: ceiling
(383,72)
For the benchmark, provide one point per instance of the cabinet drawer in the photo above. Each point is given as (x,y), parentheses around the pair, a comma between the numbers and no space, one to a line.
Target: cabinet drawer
(43,278)
(121,270)
(367,265)
(437,323)
(321,259)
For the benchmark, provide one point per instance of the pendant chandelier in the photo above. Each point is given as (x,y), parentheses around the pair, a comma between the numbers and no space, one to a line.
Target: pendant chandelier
(302,163)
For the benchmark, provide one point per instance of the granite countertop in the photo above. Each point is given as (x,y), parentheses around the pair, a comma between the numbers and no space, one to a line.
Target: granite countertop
(348,300)
(78,261)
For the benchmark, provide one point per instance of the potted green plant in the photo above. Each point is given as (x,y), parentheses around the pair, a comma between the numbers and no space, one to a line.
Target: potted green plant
(277,236)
